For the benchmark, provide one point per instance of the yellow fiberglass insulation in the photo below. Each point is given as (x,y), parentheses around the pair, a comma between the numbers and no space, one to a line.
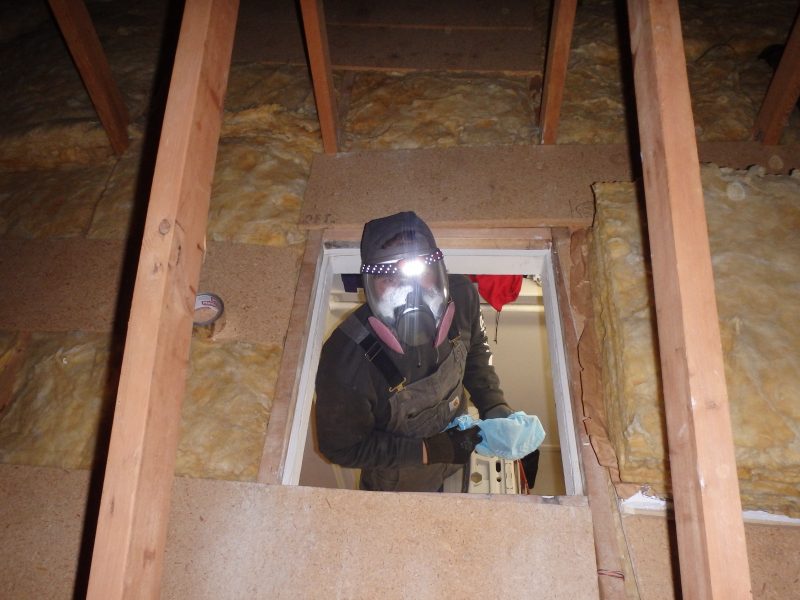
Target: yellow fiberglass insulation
(63,395)
(753,220)
(437,110)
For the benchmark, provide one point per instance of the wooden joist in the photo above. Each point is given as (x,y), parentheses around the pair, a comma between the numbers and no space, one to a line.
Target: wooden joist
(313,15)
(782,95)
(711,543)
(279,428)
(555,72)
(132,524)
(76,26)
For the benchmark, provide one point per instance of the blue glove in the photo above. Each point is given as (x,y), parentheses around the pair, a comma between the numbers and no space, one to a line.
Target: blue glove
(513,437)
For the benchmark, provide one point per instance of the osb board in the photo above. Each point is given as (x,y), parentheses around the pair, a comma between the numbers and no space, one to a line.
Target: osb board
(753,224)
(72,284)
(773,552)
(229,540)
(514,186)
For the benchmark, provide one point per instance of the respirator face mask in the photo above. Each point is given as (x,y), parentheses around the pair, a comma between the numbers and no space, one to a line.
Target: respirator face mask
(409,295)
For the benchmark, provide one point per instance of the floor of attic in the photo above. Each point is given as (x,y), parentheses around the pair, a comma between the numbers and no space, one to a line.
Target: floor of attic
(99,198)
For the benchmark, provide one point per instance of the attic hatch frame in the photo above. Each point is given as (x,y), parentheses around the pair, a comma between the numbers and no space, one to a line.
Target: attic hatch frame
(128,553)
(337,257)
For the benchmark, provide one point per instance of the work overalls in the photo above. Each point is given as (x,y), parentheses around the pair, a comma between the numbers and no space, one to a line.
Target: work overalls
(418,410)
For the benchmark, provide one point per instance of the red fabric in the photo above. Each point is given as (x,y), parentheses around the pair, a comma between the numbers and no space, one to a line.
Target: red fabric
(498,290)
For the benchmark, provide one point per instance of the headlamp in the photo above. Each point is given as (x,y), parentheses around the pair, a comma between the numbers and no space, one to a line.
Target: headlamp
(413,267)
(409,267)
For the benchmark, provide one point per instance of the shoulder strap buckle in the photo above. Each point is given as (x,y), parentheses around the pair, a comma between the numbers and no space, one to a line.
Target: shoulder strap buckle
(399,387)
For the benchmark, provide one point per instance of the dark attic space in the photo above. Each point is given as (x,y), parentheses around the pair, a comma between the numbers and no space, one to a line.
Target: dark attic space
(438,108)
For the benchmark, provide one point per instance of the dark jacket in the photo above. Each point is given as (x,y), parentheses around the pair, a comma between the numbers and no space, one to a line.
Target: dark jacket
(352,408)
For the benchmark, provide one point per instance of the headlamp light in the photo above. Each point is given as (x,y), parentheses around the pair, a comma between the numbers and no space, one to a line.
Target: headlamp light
(413,267)
(408,266)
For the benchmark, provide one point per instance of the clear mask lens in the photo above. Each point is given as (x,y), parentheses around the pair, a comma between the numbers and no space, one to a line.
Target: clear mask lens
(410,298)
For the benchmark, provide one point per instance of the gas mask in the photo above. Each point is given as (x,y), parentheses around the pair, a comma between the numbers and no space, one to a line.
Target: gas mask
(409,295)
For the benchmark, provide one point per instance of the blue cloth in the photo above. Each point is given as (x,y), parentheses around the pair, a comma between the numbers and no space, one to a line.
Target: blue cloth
(513,437)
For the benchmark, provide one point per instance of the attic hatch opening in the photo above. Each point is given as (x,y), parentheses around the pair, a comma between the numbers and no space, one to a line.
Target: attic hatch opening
(330,303)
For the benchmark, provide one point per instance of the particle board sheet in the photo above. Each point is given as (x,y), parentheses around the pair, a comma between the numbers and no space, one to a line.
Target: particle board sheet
(773,552)
(519,51)
(501,186)
(389,110)
(753,220)
(236,540)
(472,36)
(54,292)
(249,540)
(64,388)
(60,285)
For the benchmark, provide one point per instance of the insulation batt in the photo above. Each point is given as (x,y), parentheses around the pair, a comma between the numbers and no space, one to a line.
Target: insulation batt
(753,220)
(63,396)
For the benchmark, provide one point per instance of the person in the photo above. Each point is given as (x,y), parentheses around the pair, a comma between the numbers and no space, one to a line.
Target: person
(391,376)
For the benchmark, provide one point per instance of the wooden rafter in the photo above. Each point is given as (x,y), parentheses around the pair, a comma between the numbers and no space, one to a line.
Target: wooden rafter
(134,509)
(76,26)
(321,74)
(783,92)
(711,543)
(555,73)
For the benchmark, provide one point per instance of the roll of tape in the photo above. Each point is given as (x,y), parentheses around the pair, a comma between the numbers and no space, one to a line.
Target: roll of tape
(209,315)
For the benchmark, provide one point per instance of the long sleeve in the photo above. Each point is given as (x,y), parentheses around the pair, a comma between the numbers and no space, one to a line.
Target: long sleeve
(346,416)
(480,378)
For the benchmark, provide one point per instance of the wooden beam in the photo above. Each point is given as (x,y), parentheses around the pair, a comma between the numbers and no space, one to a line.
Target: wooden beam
(76,26)
(321,74)
(132,524)
(574,304)
(555,72)
(276,442)
(782,95)
(708,513)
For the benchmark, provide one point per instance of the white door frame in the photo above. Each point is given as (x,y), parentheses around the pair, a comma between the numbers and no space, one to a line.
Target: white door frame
(335,261)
